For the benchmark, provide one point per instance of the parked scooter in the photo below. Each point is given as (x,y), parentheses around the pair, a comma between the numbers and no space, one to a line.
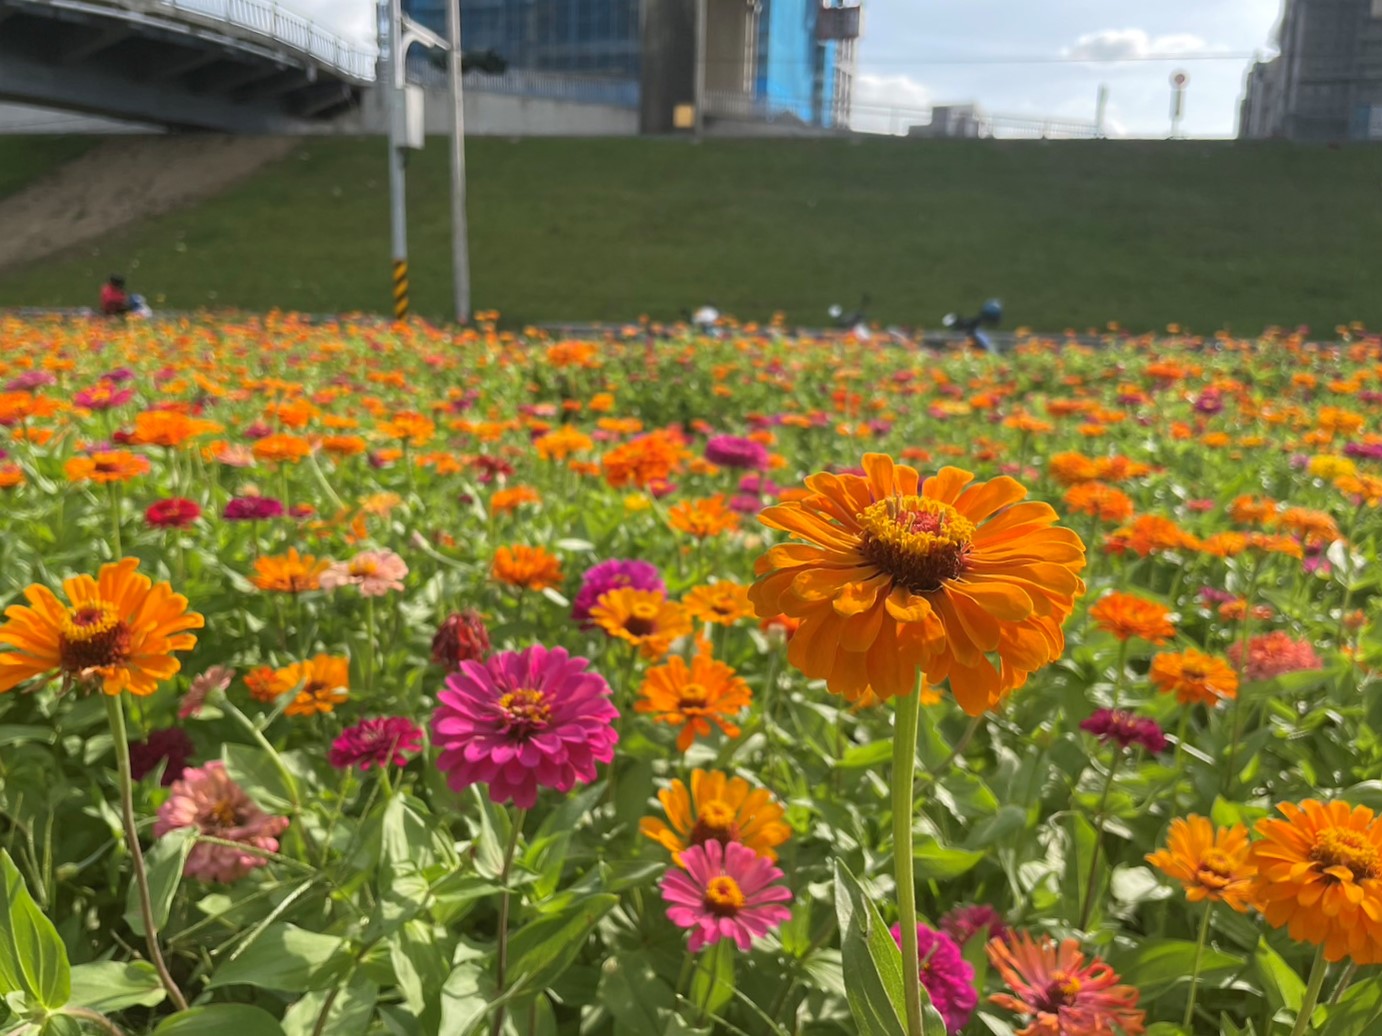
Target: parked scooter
(990,314)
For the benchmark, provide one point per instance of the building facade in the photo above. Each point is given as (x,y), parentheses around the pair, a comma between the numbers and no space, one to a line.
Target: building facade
(764,59)
(1326,82)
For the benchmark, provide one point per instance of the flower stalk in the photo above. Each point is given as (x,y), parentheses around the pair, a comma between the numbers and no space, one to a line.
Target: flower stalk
(904,773)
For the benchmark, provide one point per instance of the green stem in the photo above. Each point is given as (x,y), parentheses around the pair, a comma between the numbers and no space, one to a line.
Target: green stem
(1121,674)
(1345,981)
(1231,771)
(502,964)
(1090,884)
(115,519)
(1195,968)
(115,713)
(1312,994)
(904,768)
(369,643)
(95,1018)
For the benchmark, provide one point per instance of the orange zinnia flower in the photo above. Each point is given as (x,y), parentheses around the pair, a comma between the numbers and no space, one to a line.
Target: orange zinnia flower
(1151,533)
(409,427)
(168,428)
(720,808)
(11,475)
(502,501)
(1194,677)
(1366,488)
(644,618)
(1210,864)
(343,445)
(723,603)
(106,466)
(702,518)
(1100,501)
(263,684)
(290,573)
(118,631)
(322,683)
(282,448)
(897,577)
(562,443)
(528,568)
(1127,616)
(649,458)
(1319,872)
(693,697)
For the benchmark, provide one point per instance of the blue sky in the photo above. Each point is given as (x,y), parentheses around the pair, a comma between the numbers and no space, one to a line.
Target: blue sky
(917,52)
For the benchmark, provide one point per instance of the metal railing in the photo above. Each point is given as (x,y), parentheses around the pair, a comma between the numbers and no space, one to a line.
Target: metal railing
(281,27)
(556,86)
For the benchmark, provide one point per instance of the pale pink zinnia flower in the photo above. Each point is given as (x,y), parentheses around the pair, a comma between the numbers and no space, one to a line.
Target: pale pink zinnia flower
(373,572)
(1274,654)
(207,799)
(214,680)
(725,891)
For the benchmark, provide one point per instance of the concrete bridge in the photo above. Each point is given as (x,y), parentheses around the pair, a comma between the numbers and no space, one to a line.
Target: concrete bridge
(234,66)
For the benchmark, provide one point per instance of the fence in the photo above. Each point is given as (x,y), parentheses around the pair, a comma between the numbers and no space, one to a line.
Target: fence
(554,86)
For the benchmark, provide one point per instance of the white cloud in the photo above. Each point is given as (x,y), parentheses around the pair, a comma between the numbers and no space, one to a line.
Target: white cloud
(1135,44)
(889,103)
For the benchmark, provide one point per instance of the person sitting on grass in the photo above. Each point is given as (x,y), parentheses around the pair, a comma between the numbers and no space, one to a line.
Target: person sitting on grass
(115,301)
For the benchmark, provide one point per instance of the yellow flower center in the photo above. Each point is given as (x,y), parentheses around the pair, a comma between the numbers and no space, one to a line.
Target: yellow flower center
(223,814)
(716,821)
(1215,869)
(92,636)
(525,711)
(1062,991)
(918,541)
(723,897)
(693,696)
(364,568)
(1352,850)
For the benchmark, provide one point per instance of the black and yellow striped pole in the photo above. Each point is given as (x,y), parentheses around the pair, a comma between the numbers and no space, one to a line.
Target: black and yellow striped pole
(400,288)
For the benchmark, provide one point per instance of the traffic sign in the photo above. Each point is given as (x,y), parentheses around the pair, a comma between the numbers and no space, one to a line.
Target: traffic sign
(1179,80)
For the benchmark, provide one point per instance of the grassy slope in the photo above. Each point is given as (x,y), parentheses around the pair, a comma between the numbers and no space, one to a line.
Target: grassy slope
(1068,234)
(23,159)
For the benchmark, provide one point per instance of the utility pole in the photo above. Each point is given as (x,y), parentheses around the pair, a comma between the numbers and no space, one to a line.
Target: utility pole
(460,234)
(398,184)
(701,59)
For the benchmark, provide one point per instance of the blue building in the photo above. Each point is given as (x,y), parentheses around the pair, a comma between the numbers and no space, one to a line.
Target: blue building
(764,58)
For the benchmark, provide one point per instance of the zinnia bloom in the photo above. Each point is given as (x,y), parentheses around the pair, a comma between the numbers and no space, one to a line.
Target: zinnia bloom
(173,513)
(1099,501)
(521,720)
(1127,616)
(733,451)
(703,518)
(373,572)
(1319,873)
(612,575)
(322,683)
(895,576)
(376,742)
(119,630)
(720,808)
(1125,728)
(1210,864)
(461,638)
(693,697)
(725,892)
(171,744)
(1274,654)
(965,922)
(1194,677)
(215,805)
(106,466)
(723,603)
(252,509)
(528,568)
(1062,994)
(644,618)
(290,573)
(214,680)
(947,976)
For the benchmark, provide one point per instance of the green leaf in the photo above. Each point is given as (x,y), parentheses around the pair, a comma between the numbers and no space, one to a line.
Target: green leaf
(286,958)
(465,1000)
(15,734)
(635,995)
(872,963)
(1158,965)
(220,1020)
(350,1015)
(859,757)
(418,963)
(1357,1013)
(254,770)
(33,959)
(933,860)
(542,949)
(713,985)
(165,862)
(1279,981)
(1008,821)
(108,986)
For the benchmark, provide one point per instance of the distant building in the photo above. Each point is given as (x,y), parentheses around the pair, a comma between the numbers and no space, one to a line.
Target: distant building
(1326,83)
(953,120)
(765,59)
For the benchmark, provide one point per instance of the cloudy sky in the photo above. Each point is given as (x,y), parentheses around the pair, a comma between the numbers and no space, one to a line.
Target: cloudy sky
(1020,58)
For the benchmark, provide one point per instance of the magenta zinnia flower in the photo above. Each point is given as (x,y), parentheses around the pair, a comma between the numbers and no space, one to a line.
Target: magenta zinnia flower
(947,976)
(965,922)
(373,572)
(599,579)
(734,451)
(173,513)
(1274,654)
(207,799)
(1061,993)
(252,509)
(725,891)
(376,742)
(461,638)
(171,744)
(1126,728)
(521,720)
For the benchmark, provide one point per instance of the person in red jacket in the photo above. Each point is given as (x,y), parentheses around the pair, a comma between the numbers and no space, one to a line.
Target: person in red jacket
(115,301)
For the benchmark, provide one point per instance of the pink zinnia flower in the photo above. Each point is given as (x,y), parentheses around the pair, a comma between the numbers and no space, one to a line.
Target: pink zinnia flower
(1061,993)
(947,976)
(1126,728)
(521,720)
(373,572)
(376,742)
(214,680)
(207,799)
(725,892)
(734,451)
(176,512)
(965,922)
(1273,654)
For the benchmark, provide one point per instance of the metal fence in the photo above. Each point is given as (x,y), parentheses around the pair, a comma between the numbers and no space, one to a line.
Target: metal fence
(556,86)
(281,27)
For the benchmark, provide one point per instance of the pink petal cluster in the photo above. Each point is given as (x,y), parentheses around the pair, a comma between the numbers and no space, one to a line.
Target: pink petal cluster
(725,892)
(1273,654)
(213,681)
(520,720)
(376,742)
(373,572)
(207,799)
(965,922)
(947,976)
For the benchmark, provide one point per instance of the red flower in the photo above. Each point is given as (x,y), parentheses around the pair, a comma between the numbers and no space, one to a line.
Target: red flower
(174,513)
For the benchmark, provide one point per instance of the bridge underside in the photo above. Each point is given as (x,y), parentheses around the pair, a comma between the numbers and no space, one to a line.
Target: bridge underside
(125,64)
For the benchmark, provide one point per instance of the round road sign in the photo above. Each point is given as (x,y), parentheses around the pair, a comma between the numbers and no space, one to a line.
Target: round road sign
(1179,80)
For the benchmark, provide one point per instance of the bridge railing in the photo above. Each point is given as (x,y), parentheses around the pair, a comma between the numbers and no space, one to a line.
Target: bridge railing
(284,28)
(556,86)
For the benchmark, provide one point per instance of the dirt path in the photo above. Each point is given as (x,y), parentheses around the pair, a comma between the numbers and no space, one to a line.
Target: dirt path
(122,181)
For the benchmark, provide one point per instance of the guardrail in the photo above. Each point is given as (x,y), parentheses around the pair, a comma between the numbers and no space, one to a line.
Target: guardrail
(282,27)
(555,86)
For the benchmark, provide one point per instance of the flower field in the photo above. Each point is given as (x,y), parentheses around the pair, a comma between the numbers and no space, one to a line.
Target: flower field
(384,681)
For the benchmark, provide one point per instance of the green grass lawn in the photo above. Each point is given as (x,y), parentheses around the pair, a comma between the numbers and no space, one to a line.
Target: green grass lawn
(23,159)
(1069,234)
